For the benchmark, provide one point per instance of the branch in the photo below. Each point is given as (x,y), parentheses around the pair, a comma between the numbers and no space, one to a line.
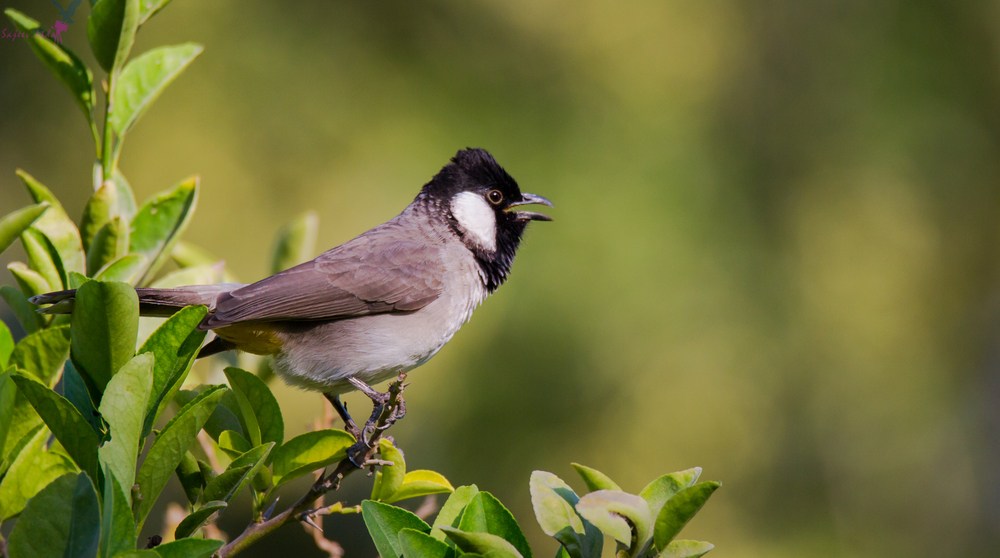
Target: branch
(362,452)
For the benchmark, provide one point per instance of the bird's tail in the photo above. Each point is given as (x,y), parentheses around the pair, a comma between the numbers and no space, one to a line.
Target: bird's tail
(152,302)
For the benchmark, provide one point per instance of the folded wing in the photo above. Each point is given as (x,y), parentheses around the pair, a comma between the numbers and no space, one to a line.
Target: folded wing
(372,274)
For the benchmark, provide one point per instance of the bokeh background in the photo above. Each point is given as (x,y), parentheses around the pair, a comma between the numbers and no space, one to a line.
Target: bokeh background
(775,252)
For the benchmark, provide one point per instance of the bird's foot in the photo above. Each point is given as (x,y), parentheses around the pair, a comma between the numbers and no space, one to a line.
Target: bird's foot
(387,408)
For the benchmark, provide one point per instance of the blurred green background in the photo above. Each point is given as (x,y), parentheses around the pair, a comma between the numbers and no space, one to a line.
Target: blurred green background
(776,252)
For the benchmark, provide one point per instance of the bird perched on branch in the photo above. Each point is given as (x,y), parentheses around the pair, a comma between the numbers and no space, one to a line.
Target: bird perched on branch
(378,305)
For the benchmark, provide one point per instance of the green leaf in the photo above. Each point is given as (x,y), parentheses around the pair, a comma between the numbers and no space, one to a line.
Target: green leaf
(233,443)
(16,222)
(8,398)
(594,479)
(159,222)
(149,8)
(28,280)
(103,329)
(123,407)
(109,243)
(32,469)
(296,242)
(193,479)
(76,280)
(117,526)
(482,543)
(111,31)
(308,452)
(144,78)
(100,209)
(125,195)
(42,353)
(384,522)
(62,520)
(420,483)
(30,320)
(170,446)
(189,548)
(22,424)
(6,347)
(64,420)
(416,544)
(225,417)
(451,511)
(231,481)
(56,225)
(60,60)
(554,505)
(74,388)
(257,406)
(617,514)
(197,518)
(175,345)
(43,258)
(662,489)
(679,510)
(390,478)
(125,269)
(485,514)
(686,549)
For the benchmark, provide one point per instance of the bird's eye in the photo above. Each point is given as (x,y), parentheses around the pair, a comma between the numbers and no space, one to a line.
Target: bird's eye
(495,197)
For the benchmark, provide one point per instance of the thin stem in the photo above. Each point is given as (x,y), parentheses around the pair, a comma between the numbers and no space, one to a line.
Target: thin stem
(108,160)
(304,506)
(95,134)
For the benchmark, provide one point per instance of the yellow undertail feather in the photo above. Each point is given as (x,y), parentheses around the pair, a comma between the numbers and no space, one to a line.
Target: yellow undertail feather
(252,338)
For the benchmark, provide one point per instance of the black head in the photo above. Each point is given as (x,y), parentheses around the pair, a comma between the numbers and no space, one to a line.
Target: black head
(480,199)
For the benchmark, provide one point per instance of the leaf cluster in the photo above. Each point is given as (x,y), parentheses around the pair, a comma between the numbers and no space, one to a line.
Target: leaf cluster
(474,523)
(78,402)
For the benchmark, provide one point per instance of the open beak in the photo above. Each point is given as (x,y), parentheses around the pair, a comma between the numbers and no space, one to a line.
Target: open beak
(529,199)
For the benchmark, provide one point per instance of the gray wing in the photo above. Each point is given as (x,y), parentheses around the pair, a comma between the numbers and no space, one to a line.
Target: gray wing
(372,274)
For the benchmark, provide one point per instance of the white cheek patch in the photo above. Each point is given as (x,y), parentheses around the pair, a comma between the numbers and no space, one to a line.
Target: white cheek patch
(476,218)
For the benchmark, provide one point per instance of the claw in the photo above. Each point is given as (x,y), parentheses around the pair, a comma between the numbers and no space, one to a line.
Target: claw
(378,422)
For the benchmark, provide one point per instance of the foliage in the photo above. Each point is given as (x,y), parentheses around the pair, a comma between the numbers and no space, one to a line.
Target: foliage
(475,523)
(86,443)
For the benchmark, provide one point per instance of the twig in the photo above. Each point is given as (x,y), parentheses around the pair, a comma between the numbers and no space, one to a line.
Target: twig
(427,507)
(331,548)
(364,450)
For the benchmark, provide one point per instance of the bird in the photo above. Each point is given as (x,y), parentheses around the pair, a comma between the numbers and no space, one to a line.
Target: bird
(375,306)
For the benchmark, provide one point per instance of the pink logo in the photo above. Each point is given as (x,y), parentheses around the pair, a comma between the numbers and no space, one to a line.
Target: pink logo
(57,30)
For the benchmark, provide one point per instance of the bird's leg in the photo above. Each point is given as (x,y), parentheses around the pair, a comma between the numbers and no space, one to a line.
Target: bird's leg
(338,405)
(387,408)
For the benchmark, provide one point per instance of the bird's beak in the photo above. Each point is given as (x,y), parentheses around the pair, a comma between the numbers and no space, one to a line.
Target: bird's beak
(529,199)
